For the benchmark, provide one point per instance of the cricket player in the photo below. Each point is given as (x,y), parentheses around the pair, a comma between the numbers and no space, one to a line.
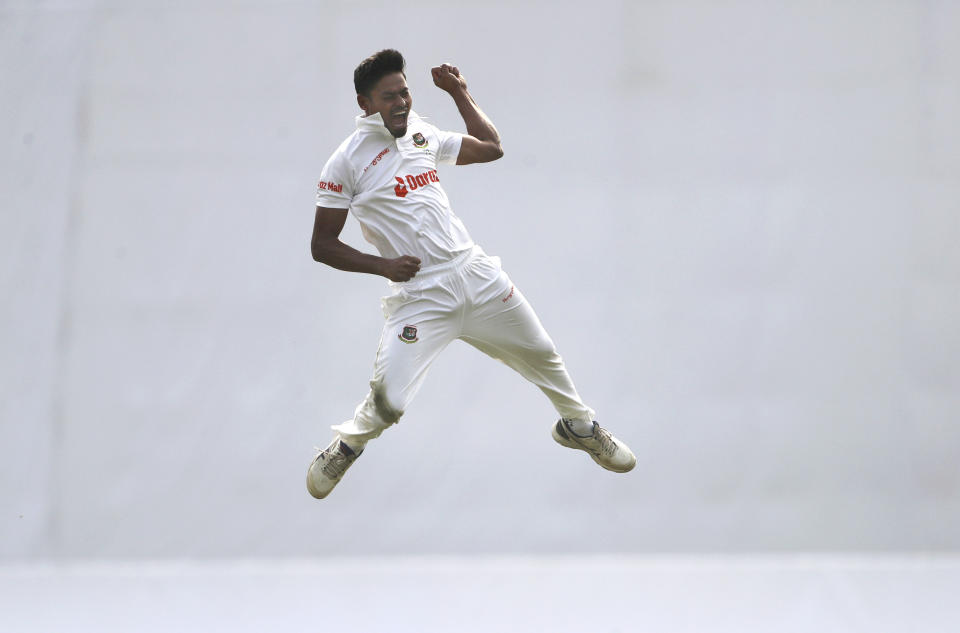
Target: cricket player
(443,286)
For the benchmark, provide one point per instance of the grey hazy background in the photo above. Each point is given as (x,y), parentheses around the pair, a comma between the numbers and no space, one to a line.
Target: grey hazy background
(739,222)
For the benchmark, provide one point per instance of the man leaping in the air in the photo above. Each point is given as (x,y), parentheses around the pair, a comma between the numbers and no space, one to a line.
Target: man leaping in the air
(443,286)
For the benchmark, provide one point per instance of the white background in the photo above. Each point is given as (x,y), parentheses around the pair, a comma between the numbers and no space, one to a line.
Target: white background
(739,222)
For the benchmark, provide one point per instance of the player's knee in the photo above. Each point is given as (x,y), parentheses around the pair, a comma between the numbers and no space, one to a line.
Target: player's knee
(543,349)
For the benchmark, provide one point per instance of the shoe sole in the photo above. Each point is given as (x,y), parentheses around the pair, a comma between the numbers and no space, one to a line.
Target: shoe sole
(560,437)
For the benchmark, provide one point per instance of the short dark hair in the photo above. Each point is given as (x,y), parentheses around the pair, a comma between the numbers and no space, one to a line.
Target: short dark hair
(374,68)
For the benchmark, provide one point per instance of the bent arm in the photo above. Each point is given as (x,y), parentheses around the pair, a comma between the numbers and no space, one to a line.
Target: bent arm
(326,248)
(482,145)
(482,142)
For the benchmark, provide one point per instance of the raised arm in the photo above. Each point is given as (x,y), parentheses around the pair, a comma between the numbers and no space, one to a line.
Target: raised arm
(482,142)
(327,248)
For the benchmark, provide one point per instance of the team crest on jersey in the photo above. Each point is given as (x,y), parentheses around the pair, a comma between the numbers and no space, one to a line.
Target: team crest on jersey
(419,140)
(409,334)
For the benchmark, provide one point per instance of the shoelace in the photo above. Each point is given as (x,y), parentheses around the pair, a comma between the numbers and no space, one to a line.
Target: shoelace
(607,445)
(335,463)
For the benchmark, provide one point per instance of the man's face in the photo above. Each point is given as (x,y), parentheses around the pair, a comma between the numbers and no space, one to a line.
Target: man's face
(391,98)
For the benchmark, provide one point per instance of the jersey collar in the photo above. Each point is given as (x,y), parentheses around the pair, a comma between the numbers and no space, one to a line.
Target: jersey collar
(374,123)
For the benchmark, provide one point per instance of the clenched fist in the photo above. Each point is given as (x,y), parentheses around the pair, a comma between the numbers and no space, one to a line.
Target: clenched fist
(448,77)
(402,268)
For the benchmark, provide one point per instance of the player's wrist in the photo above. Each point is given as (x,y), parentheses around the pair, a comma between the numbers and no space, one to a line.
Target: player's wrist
(457,91)
(380,267)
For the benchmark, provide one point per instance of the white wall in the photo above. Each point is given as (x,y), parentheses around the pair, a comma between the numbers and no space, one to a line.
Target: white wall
(738,222)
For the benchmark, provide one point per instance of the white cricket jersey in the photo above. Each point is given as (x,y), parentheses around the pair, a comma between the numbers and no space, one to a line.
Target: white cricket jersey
(391,186)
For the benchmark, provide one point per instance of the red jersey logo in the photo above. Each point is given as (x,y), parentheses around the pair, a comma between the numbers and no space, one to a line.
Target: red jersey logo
(329,186)
(376,160)
(414,182)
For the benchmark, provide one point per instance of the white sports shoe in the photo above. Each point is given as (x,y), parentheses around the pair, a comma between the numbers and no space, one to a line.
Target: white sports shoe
(328,467)
(604,448)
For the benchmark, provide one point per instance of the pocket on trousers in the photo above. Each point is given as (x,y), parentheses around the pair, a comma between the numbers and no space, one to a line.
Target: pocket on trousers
(489,281)
(486,266)
(400,297)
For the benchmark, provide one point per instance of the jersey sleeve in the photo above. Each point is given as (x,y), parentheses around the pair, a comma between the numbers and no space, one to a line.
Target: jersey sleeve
(335,189)
(448,146)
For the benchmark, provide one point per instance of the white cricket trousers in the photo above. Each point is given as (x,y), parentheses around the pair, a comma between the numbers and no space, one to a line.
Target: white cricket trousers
(470,298)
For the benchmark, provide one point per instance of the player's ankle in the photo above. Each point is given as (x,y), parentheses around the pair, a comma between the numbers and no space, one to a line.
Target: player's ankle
(353,444)
(581,428)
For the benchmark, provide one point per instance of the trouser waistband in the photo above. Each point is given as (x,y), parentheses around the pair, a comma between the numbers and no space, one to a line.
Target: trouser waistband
(432,272)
